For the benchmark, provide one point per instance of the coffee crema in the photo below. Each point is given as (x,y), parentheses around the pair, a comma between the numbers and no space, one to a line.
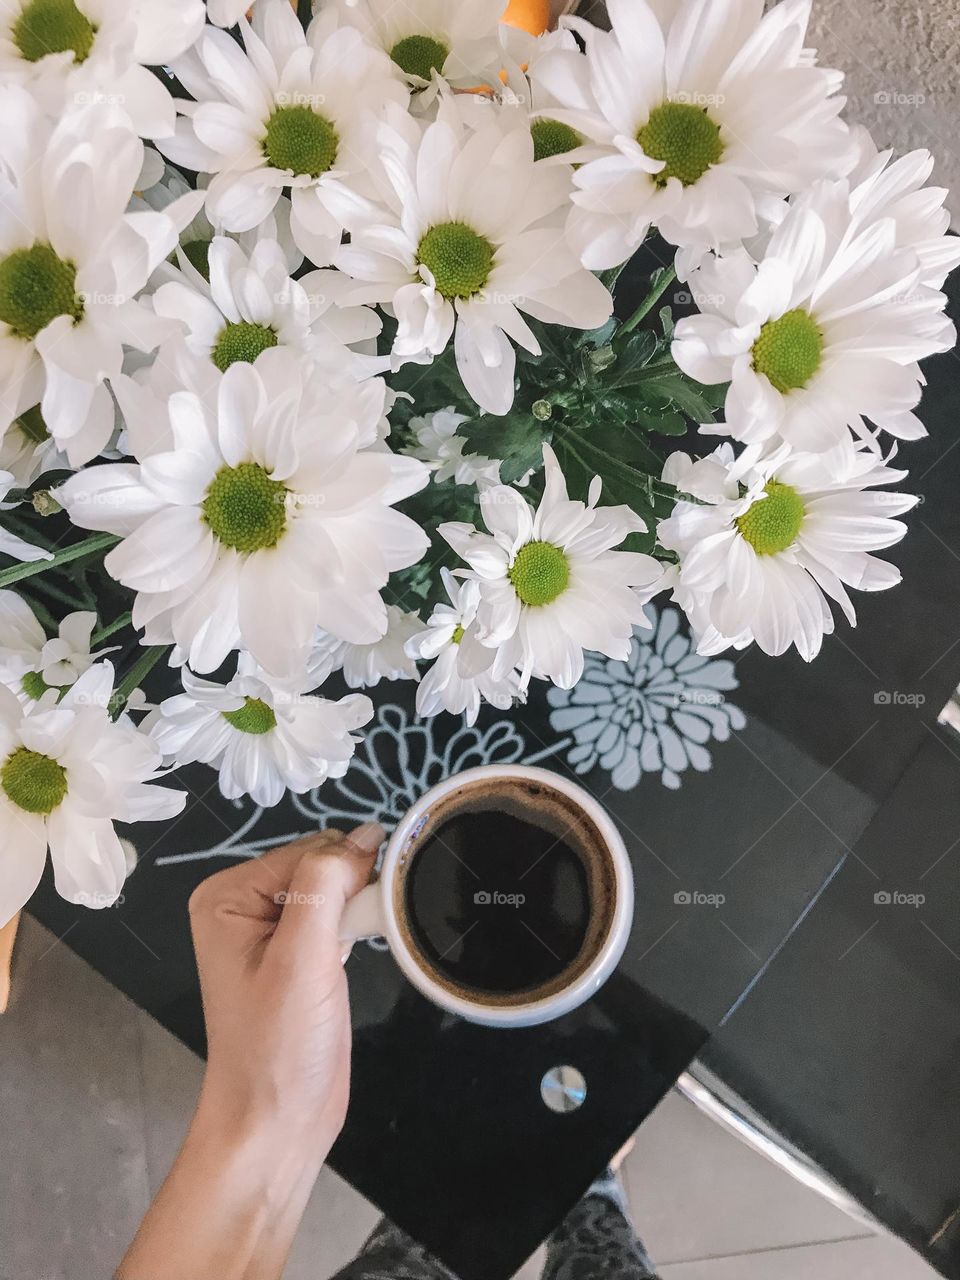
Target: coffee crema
(505,892)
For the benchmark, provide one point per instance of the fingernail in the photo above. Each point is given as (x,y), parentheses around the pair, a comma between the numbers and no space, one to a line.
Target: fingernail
(368,837)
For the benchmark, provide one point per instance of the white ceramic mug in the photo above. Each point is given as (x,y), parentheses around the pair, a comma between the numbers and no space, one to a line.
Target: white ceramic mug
(373,912)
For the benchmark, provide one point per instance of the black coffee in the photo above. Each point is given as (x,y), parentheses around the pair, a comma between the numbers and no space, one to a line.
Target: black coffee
(497,903)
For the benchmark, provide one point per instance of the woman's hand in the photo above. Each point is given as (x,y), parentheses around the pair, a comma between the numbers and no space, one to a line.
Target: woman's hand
(275,1092)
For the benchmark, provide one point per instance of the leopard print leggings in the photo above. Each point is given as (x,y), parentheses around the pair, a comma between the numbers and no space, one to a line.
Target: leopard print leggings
(594,1240)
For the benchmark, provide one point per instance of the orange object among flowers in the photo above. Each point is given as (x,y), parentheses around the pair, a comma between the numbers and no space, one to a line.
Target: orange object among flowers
(528,15)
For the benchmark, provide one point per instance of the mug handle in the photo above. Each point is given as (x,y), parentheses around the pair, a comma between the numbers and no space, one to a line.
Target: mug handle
(363,916)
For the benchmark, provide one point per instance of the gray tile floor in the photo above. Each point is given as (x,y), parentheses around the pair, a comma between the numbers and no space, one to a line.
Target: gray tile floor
(95,1096)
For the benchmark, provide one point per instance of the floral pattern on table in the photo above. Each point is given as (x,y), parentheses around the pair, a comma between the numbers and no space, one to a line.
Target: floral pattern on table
(652,713)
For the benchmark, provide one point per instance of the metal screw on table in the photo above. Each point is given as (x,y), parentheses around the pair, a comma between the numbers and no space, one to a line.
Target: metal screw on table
(563,1089)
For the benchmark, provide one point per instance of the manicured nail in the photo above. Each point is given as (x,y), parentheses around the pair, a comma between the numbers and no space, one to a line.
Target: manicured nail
(368,837)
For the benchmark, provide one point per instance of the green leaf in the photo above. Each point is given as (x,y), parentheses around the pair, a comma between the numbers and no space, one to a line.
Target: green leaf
(517,439)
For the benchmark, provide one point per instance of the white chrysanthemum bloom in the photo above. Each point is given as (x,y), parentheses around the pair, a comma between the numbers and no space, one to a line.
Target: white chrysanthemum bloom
(826,329)
(448,254)
(67,773)
(27,448)
(454,39)
(159,185)
(439,446)
(714,109)
(72,261)
(264,738)
(365,665)
(10,544)
(881,189)
(292,111)
(460,678)
(547,85)
(269,517)
(760,558)
(30,664)
(551,584)
(252,304)
(88,51)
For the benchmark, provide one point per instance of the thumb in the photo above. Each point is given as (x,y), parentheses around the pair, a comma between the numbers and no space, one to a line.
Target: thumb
(324,880)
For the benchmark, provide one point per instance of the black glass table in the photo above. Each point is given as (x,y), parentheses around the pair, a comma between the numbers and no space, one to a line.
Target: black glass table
(745,789)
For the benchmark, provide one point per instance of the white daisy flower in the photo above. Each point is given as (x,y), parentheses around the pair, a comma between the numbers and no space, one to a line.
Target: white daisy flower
(269,517)
(67,773)
(264,738)
(30,664)
(470,238)
(712,109)
(881,189)
(10,544)
(87,51)
(548,87)
(460,678)
(71,263)
(27,449)
(759,559)
(828,327)
(551,584)
(365,665)
(455,39)
(251,304)
(441,449)
(292,112)
(160,184)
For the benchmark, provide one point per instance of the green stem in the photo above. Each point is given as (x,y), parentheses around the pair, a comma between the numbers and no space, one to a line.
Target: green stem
(88,547)
(650,301)
(110,629)
(136,675)
(55,593)
(637,477)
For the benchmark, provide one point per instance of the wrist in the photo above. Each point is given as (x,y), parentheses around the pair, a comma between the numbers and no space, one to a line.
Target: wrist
(260,1145)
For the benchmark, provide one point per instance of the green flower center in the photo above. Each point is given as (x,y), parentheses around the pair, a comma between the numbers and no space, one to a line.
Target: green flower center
(52,26)
(772,524)
(551,138)
(245,509)
(34,685)
(253,717)
(32,425)
(32,781)
(419,56)
(788,350)
(540,573)
(300,139)
(241,341)
(685,138)
(35,287)
(459,259)
(197,253)
(458,634)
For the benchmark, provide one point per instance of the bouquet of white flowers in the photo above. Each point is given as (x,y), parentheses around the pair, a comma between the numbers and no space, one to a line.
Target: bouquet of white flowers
(339,341)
